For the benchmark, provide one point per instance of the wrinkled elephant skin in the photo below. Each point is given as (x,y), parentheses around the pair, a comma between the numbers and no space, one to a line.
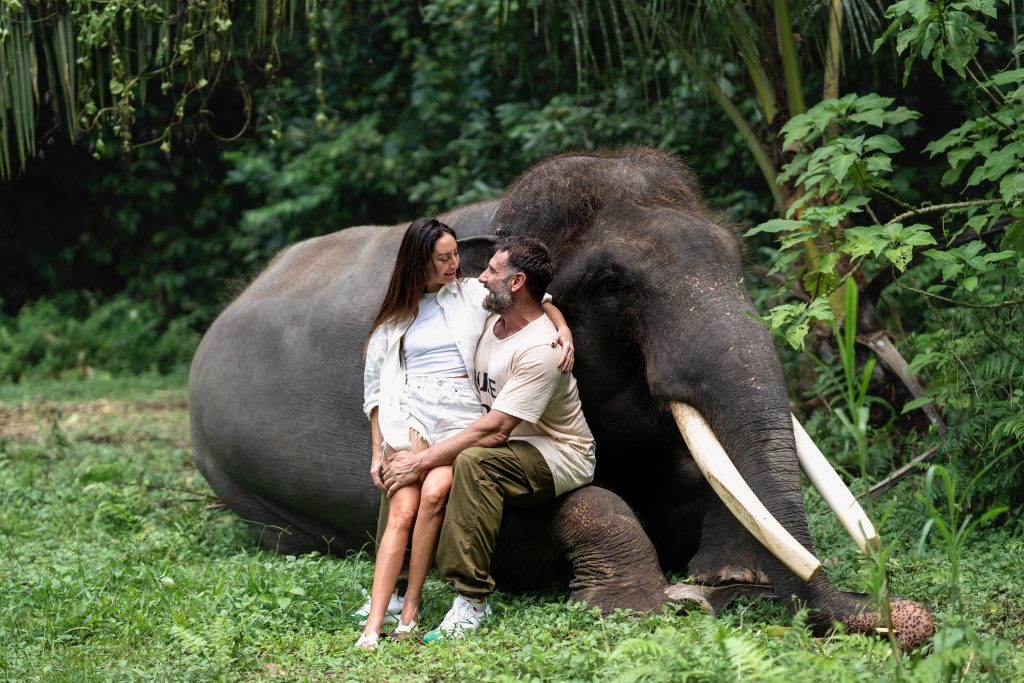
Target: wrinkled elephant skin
(650,282)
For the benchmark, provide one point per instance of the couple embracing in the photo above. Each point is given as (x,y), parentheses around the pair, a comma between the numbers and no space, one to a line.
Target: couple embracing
(472,407)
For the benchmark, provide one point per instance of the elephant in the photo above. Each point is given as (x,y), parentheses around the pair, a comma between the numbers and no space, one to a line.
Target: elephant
(651,283)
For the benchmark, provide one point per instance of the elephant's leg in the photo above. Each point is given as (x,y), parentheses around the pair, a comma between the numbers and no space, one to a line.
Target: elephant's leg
(593,537)
(278,528)
(727,553)
(614,563)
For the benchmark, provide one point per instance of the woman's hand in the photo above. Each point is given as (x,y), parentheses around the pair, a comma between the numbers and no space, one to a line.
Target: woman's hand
(377,467)
(563,338)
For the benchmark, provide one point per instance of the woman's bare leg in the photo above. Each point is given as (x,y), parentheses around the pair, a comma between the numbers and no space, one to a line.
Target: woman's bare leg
(429,517)
(391,554)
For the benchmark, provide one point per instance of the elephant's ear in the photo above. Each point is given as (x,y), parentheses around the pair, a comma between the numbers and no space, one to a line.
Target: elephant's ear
(475,252)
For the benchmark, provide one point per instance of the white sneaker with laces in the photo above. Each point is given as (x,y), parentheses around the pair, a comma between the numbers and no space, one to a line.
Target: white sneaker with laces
(394,610)
(465,615)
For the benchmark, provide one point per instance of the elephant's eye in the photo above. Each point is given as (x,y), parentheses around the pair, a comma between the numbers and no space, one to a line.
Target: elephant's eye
(613,282)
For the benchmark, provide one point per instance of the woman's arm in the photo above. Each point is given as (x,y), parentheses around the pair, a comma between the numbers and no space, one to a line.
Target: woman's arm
(563,337)
(376,349)
(377,450)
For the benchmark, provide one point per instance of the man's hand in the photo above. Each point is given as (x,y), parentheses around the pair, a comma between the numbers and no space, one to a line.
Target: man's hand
(404,469)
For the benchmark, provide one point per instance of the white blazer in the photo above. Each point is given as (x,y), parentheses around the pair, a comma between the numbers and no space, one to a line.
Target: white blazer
(384,373)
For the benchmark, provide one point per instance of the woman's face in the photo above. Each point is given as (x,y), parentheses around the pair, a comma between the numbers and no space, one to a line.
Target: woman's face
(444,262)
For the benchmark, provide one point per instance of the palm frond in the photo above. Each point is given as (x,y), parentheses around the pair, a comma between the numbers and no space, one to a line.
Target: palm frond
(18,93)
(97,60)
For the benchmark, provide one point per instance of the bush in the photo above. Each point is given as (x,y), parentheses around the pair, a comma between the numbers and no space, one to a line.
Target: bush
(120,336)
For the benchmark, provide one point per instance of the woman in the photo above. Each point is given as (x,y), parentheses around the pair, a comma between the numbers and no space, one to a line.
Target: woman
(419,390)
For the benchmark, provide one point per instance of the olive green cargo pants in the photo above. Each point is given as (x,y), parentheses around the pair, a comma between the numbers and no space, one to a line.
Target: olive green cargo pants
(484,480)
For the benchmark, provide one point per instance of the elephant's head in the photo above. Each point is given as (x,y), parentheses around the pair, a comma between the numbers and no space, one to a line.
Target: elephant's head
(668,341)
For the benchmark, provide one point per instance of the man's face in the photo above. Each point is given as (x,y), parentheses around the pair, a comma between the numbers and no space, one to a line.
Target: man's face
(495,279)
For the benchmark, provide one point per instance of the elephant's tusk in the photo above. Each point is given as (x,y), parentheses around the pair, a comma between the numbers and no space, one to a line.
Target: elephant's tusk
(728,483)
(824,478)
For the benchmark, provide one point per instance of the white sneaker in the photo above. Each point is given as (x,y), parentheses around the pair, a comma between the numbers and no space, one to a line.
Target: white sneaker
(465,615)
(403,629)
(368,641)
(394,610)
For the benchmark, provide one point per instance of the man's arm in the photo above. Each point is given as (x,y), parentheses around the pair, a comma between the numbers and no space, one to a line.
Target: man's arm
(492,429)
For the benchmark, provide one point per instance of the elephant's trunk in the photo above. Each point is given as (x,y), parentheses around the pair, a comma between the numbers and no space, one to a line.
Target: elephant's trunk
(724,364)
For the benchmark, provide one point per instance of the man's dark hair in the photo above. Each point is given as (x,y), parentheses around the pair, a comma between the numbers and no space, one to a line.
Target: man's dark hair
(529,256)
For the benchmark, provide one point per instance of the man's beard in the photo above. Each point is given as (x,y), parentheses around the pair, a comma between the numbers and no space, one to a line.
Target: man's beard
(498,300)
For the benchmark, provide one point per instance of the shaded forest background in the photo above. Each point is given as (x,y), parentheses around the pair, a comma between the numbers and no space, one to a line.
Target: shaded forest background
(139,200)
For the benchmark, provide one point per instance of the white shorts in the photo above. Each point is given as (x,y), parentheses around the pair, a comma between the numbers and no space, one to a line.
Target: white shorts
(440,407)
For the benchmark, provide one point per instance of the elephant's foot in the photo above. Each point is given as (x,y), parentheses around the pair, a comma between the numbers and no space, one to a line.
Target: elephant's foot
(714,599)
(608,597)
(912,622)
(722,565)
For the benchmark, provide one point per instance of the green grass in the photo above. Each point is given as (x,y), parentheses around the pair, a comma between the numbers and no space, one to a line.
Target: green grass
(115,565)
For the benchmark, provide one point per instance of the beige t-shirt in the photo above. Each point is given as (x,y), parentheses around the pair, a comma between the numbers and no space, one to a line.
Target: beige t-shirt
(519,376)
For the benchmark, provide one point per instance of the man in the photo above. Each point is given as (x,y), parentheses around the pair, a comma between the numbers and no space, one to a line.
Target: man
(532,445)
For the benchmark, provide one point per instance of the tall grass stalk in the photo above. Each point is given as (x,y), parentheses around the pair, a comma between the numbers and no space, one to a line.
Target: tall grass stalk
(855,392)
(878,589)
(953,525)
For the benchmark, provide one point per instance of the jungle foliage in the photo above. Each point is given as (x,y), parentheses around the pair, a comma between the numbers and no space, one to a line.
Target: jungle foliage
(412,112)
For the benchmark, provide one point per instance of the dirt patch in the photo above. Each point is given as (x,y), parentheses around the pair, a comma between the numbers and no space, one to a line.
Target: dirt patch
(101,421)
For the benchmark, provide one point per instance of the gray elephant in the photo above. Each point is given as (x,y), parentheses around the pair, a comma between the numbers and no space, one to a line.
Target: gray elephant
(651,283)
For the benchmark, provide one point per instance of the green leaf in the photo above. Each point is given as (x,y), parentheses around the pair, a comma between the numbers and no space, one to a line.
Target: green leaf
(872,101)
(917,235)
(999,256)
(861,241)
(795,335)
(872,117)
(900,256)
(1011,187)
(970,282)
(820,283)
(827,263)
(775,225)
(916,403)
(998,163)
(900,114)
(1014,237)
(1011,76)
(986,7)
(885,143)
(840,165)
(877,162)
(824,277)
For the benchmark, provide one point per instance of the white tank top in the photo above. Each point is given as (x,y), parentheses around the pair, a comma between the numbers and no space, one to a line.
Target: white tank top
(429,345)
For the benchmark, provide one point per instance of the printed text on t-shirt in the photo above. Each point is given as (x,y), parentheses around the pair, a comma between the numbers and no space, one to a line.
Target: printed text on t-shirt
(485,384)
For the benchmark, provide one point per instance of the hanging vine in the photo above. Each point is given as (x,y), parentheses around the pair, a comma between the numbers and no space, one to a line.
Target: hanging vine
(94,64)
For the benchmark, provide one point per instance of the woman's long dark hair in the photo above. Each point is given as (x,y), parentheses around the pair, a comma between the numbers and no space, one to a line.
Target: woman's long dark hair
(409,280)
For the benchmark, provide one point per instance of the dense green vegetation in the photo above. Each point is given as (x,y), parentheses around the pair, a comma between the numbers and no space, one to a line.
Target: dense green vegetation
(117,565)
(873,153)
